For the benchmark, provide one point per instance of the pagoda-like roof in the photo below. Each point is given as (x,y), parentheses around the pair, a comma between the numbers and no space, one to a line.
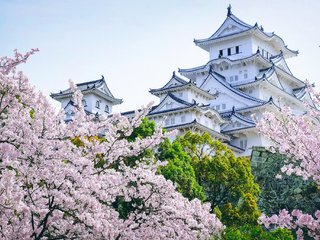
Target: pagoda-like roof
(234,27)
(249,108)
(273,61)
(221,79)
(99,87)
(178,84)
(234,117)
(196,125)
(206,67)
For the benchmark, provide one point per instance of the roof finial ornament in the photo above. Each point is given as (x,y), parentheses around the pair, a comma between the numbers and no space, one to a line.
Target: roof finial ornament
(229,10)
(210,69)
(233,110)
(102,77)
(173,73)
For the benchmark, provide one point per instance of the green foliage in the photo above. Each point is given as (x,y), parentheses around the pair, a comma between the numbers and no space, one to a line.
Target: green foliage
(179,169)
(226,181)
(289,192)
(145,129)
(32,113)
(245,212)
(256,232)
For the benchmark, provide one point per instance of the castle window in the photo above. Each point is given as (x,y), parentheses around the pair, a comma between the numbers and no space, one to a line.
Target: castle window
(220,53)
(237,49)
(106,109)
(236,77)
(243,143)
(180,94)
(183,119)
(167,122)
(84,103)
(231,79)
(223,106)
(172,120)
(218,107)
(245,75)
(97,104)
(229,51)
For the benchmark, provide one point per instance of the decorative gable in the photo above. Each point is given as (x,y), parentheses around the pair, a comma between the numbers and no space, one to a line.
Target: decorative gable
(171,102)
(104,88)
(237,122)
(227,95)
(228,28)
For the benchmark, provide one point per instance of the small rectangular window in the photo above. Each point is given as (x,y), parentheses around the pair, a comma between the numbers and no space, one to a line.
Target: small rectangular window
(167,122)
(236,77)
(245,75)
(243,143)
(229,51)
(180,94)
(172,121)
(237,49)
(223,106)
(218,107)
(220,53)
(183,119)
(231,79)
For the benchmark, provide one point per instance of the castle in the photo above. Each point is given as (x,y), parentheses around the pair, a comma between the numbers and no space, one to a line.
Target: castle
(246,75)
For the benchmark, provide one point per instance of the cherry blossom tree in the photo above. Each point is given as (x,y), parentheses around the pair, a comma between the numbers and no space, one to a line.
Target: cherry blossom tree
(298,138)
(52,188)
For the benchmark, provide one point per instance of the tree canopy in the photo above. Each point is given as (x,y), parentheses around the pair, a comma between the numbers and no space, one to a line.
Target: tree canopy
(59,181)
(225,180)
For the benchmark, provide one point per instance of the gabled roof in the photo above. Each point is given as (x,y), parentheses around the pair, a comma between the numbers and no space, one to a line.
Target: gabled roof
(205,68)
(182,104)
(172,86)
(174,81)
(71,104)
(97,86)
(236,28)
(249,108)
(280,62)
(197,125)
(266,73)
(236,122)
(221,79)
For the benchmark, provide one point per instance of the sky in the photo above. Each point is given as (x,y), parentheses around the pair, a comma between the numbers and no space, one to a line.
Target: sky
(137,44)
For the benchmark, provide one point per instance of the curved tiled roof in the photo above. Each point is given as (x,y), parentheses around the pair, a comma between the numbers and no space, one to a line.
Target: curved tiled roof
(228,86)
(247,28)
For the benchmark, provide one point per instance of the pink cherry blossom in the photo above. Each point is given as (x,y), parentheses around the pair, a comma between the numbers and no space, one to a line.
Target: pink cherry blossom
(52,189)
(297,137)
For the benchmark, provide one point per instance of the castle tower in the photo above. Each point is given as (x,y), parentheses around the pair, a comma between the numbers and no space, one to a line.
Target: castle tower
(97,98)
(247,74)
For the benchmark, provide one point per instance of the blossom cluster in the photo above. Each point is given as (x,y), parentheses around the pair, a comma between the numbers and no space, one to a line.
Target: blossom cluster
(52,188)
(296,136)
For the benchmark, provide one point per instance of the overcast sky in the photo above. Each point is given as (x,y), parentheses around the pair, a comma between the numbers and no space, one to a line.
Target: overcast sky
(136,44)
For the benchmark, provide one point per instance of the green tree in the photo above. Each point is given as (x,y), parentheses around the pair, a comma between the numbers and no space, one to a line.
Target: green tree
(145,129)
(250,232)
(179,169)
(226,181)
